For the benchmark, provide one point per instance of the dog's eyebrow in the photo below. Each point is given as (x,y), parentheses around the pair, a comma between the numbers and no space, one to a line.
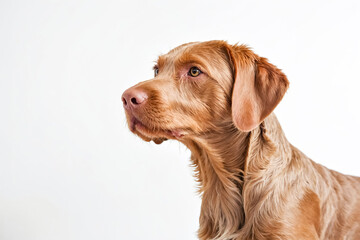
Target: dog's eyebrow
(185,59)
(194,60)
(160,62)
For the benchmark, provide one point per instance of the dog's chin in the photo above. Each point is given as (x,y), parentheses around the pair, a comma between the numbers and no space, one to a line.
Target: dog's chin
(157,140)
(158,135)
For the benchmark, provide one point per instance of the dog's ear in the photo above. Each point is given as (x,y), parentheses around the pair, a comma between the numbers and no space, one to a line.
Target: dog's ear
(258,87)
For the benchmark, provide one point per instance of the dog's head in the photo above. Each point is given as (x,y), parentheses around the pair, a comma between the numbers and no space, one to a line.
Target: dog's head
(197,86)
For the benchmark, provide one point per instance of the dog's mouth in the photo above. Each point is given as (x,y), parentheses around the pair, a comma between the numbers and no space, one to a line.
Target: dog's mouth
(157,135)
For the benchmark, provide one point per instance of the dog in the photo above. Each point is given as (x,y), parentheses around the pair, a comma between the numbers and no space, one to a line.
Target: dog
(218,100)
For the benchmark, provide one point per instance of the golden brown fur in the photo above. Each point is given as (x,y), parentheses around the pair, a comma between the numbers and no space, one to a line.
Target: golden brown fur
(254,184)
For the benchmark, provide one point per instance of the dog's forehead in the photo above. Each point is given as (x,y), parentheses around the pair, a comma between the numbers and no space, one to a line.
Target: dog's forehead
(175,53)
(201,52)
(182,48)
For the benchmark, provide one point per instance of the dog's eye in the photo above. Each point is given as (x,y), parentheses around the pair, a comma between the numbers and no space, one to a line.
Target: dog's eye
(194,72)
(156,71)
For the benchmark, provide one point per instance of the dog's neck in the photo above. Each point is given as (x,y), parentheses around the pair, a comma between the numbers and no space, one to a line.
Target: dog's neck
(228,164)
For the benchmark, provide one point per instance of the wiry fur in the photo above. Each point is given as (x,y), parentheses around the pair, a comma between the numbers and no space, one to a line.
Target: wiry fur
(254,184)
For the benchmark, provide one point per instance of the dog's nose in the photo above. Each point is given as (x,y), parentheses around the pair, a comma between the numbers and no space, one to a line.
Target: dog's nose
(133,98)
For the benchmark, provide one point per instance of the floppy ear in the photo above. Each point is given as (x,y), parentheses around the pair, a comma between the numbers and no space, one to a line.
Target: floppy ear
(258,88)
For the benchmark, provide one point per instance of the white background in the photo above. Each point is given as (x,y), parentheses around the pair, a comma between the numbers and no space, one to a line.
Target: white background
(70,168)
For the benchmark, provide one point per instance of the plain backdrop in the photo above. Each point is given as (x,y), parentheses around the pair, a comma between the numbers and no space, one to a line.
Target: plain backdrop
(69,166)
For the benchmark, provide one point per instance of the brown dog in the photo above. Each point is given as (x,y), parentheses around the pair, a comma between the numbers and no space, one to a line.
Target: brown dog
(218,99)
